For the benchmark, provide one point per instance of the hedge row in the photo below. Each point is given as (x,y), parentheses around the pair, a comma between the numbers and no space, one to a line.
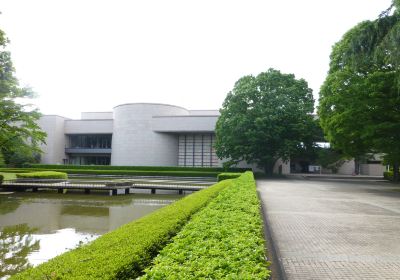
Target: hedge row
(127,251)
(139,168)
(222,241)
(121,172)
(43,175)
(388,175)
(225,176)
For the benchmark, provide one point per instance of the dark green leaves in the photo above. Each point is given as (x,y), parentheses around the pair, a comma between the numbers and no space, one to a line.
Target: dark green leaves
(265,118)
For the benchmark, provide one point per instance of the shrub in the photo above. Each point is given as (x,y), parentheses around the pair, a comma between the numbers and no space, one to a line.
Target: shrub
(224,176)
(1,179)
(126,251)
(177,173)
(139,168)
(388,175)
(222,241)
(43,175)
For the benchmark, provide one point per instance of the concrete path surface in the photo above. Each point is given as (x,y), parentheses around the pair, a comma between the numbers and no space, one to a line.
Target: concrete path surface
(333,230)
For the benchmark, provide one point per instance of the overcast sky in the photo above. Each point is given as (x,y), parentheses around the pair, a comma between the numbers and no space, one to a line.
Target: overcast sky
(93,55)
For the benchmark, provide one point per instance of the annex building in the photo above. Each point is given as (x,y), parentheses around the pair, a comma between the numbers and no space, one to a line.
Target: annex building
(148,134)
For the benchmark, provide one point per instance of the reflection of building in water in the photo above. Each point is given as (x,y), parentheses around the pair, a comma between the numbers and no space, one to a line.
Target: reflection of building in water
(95,216)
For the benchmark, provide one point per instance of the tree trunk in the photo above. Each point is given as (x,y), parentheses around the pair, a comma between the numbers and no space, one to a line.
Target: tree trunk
(356,166)
(396,172)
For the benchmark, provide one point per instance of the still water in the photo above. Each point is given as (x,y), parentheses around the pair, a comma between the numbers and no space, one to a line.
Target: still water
(35,227)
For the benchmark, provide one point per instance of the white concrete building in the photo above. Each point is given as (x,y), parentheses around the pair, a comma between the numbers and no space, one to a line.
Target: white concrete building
(147,134)
(141,134)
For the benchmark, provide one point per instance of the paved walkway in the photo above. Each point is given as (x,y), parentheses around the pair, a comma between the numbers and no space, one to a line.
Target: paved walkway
(333,230)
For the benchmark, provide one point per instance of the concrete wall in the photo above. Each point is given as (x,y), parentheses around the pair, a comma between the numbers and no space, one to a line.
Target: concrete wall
(96,115)
(54,149)
(135,142)
(372,169)
(88,126)
(184,123)
(347,168)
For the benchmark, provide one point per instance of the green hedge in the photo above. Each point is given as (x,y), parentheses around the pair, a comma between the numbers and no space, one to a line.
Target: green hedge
(225,176)
(43,175)
(222,241)
(388,175)
(122,172)
(127,251)
(139,168)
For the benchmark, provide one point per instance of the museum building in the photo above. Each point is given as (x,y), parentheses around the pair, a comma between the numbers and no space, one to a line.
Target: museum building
(150,134)
(141,134)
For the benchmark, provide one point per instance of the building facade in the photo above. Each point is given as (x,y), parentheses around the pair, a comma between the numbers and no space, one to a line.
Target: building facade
(141,134)
(149,134)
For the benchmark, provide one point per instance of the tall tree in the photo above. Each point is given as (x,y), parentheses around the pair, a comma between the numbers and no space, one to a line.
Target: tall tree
(265,118)
(360,98)
(18,122)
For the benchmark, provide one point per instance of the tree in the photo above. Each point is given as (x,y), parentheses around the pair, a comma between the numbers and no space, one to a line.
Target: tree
(18,123)
(360,99)
(265,118)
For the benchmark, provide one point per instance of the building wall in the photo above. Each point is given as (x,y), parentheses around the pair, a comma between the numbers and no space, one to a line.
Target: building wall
(88,126)
(97,115)
(184,123)
(54,149)
(372,169)
(134,141)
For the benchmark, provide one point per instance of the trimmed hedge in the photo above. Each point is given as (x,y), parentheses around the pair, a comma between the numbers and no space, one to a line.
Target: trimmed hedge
(125,252)
(123,172)
(222,241)
(225,176)
(139,168)
(43,175)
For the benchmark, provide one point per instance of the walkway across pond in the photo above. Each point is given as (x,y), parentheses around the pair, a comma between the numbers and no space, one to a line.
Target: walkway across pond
(114,187)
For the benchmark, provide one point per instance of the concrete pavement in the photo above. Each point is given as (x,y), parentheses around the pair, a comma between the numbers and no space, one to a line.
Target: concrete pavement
(333,230)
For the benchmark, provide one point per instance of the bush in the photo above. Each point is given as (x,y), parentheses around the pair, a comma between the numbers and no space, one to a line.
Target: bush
(222,241)
(125,252)
(122,172)
(43,175)
(1,179)
(224,176)
(388,175)
(139,168)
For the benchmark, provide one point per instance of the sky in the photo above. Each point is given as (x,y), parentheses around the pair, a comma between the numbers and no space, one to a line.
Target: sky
(83,56)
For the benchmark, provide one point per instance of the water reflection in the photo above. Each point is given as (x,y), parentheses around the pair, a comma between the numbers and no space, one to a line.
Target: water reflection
(61,222)
(16,243)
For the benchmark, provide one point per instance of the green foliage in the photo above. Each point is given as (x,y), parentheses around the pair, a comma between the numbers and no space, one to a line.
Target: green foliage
(18,123)
(43,175)
(225,176)
(1,179)
(388,175)
(222,241)
(138,168)
(329,158)
(125,252)
(120,172)
(19,153)
(360,97)
(265,118)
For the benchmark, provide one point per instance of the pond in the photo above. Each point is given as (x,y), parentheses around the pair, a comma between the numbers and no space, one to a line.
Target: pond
(35,227)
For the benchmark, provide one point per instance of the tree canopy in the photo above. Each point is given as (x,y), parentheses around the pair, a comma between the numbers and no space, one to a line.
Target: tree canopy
(359,106)
(265,118)
(18,122)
